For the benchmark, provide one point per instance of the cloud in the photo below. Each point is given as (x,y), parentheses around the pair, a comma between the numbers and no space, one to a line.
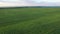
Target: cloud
(5,3)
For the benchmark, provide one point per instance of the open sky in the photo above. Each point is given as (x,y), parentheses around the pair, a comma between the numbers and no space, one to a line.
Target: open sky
(7,3)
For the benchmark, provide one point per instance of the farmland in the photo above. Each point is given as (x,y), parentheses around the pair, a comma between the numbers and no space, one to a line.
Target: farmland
(30,21)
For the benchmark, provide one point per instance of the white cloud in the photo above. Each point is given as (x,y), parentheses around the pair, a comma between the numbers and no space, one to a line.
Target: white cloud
(11,0)
(29,3)
(38,1)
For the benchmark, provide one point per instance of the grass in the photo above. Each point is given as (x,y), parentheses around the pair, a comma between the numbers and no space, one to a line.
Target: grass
(30,21)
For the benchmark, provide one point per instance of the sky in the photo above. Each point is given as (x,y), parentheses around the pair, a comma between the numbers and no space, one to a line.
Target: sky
(7,3)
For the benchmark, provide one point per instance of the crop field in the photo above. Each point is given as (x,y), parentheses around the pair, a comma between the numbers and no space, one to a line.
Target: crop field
(30,21)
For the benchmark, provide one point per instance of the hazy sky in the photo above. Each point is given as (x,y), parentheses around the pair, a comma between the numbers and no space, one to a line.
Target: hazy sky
(4,3)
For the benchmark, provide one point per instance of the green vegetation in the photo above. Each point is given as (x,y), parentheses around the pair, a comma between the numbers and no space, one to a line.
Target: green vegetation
(30,21)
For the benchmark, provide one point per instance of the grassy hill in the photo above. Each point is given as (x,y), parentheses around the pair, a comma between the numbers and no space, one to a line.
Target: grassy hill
(30,21)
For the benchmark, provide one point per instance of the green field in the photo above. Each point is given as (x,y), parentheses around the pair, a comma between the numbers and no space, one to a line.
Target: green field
(30,21)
